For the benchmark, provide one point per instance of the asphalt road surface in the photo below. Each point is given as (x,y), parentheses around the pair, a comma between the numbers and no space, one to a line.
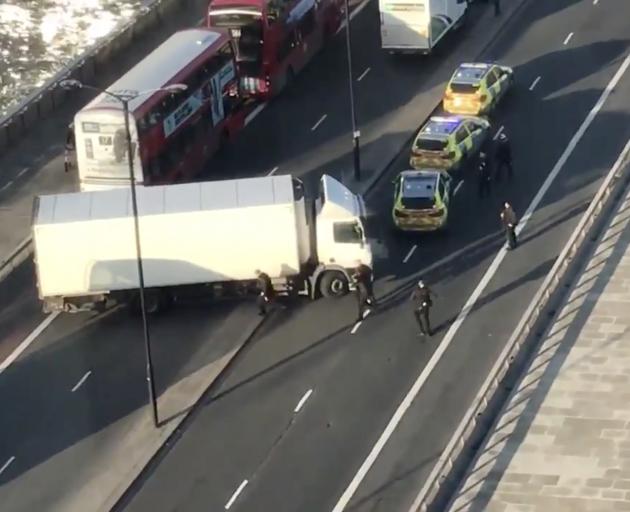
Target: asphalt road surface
(249,449)
(249,430)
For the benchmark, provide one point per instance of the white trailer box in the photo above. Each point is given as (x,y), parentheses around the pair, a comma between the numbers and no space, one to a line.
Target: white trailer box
(213,233)
(416,26)
(192,233)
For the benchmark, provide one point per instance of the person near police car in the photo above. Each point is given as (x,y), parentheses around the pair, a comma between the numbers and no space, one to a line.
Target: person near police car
(484,175)
(422,297)
(503,157)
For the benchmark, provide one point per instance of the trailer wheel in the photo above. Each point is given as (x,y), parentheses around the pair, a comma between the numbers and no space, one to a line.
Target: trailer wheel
(333,284)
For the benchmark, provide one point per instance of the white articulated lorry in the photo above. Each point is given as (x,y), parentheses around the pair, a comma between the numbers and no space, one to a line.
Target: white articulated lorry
(416,26)
(201,237)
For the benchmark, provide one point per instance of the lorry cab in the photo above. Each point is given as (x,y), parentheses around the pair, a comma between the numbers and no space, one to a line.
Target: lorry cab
(341,226)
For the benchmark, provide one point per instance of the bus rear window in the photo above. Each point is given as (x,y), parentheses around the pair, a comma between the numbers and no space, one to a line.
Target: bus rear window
(235,18)
(464,88)
(430,144)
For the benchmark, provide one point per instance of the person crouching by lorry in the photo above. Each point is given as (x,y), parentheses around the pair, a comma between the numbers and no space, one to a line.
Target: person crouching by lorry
(266,293)
(363,278)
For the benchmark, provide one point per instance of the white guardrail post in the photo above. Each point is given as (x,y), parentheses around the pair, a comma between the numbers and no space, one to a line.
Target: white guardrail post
(442,481)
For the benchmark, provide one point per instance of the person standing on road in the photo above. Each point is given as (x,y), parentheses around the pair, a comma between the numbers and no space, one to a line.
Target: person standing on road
(266,292)
(422,299)
(363,279)
(509,221)
(483,175)
(503,157)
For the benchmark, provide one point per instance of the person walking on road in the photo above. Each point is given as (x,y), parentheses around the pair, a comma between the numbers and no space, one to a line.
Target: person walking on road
(483,175)
(509,221)
(503,157)
(266,293)
(422,299)
(363,278)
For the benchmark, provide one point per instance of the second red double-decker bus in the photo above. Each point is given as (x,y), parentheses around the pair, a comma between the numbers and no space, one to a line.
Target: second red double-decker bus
(275,39)
(173,135)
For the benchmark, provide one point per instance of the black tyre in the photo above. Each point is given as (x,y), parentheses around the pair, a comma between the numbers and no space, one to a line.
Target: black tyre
(333,284)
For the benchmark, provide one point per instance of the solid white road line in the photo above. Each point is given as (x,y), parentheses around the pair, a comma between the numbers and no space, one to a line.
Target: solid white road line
(410,253)
(362,75)
(273,171)
(252,115)
(534,84)
(352,15)
(499,132)
(459,185)
(303,401)
(358,324)
(450,334)
(566,41)
(321,120)
(7,464)
(235,495)
(29,339)
(83,379)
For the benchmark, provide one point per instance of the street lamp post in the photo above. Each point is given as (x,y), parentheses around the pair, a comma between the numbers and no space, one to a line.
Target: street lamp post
(124,99)
(355,133)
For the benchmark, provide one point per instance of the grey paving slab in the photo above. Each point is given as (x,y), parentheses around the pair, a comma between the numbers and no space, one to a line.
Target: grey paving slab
(562,442)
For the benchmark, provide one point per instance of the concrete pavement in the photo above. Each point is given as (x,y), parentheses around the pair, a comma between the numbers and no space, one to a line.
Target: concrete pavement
(562,441)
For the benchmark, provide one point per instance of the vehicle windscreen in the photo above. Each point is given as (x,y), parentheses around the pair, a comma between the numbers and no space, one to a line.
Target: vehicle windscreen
(246,29)
(423,144)
(418,193)
(464,88)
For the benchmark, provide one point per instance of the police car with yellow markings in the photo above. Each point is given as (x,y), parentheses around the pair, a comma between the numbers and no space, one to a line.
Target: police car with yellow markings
(445,142)
(476,88)
(421,200)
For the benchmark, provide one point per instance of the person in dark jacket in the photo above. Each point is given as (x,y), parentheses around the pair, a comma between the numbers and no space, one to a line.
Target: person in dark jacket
(483,175)
(509,221)
(422,300)
(266,293)
(503,157)
(363,278)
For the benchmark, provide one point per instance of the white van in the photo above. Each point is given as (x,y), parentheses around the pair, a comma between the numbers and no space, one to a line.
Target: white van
(416,26)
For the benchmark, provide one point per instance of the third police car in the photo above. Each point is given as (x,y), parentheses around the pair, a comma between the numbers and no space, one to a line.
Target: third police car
(476,88)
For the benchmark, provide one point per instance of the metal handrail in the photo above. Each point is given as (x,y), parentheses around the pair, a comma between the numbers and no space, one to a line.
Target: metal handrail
(619,175)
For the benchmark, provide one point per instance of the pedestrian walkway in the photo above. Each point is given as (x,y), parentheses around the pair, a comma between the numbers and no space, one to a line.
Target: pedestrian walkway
(562,442)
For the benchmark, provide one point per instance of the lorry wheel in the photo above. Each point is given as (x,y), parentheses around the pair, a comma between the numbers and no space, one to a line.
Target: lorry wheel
(333,284)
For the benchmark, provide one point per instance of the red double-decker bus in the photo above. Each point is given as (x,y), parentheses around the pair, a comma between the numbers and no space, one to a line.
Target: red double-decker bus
(173,135)
(275,39)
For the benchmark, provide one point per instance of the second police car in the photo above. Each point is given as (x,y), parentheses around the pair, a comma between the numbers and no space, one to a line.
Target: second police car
(476,88)
(445,142)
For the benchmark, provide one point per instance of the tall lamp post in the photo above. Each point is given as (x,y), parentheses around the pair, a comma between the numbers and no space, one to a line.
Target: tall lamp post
(355,133)
(124,99)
